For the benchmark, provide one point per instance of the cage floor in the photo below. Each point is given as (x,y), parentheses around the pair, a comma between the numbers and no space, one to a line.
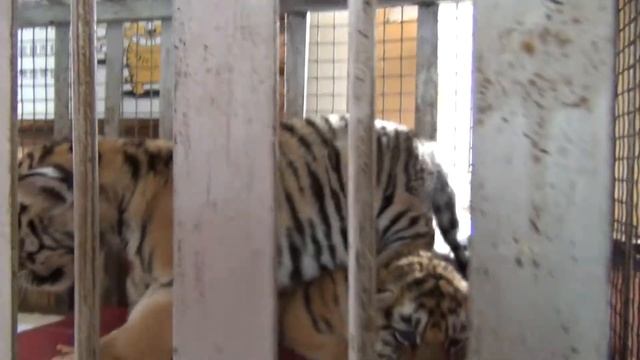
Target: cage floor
(40,334)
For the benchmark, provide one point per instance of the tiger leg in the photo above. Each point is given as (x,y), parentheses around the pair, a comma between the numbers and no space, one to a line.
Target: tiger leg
(147,334)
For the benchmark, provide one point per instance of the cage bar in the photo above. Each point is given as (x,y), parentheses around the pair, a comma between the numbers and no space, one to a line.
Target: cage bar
(113,92)
(541,184)
(85,179)
(225,191)
(167,79)
(8,248)
(426,121)
(61,120)
(361,218)
(297,38)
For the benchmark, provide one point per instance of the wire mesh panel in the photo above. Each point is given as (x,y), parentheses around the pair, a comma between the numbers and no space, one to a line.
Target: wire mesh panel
(395,63)
(140,103)
(36,49)
(625,274)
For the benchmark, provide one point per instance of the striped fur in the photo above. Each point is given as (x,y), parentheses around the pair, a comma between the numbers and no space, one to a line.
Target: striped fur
(312,214)
(136,200)
(422,311)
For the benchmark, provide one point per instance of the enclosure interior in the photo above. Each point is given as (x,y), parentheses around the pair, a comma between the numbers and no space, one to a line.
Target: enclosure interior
(131,102)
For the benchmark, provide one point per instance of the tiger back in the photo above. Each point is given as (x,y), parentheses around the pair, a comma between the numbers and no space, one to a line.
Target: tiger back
(411,188)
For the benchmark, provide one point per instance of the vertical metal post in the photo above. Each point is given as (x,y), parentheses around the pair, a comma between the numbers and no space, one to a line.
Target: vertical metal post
(362,235)
(62,120)
(113,93)
(297,35)
(427,71)
(85,178)
(8,248)
(541,185)
(167,81)
(223,103)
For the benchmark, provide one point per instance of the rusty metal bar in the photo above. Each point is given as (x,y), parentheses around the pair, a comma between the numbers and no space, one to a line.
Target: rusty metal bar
(362,235)
(113,91)
(85,178)
(297,35)
(167,81)
(61,120)
(8,248)
(427,72)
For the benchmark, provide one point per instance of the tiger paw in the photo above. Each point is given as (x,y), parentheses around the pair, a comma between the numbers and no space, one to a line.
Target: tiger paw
(66,353)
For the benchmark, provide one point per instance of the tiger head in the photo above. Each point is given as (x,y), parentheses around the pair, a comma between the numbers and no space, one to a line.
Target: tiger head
(45,228)
(422,307)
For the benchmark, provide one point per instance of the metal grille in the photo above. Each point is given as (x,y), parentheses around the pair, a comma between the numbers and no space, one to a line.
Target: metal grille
(625,277)
(395,66)
(36,49)
(139,102)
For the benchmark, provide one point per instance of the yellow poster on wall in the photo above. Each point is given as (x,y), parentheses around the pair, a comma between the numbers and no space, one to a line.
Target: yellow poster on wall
(142,54)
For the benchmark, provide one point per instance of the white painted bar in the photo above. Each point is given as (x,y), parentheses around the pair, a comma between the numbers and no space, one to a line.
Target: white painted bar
(297,34)
(38,13)
(113,86)
(167,81)
(62,120)
(541,185)
(8,248)
(362,234)
(224,189)
(427,70)
(85,179)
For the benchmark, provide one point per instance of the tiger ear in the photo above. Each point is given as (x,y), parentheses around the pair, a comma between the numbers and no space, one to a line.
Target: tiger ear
(46,186)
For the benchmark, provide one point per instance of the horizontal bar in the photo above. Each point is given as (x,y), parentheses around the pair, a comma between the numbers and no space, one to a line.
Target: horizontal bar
(43,13)
(328,5)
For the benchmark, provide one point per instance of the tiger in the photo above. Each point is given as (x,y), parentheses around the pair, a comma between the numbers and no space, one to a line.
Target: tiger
(421,311)
(136,204)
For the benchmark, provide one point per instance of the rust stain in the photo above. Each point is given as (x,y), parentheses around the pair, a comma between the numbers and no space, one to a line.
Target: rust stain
(582,102)
(528,47)
(534,225)
(558,38)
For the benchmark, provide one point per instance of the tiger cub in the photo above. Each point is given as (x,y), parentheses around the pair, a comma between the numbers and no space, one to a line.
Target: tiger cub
(136,204)
(421,311)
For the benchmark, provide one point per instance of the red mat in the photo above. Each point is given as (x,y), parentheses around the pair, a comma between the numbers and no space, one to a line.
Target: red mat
(40,343)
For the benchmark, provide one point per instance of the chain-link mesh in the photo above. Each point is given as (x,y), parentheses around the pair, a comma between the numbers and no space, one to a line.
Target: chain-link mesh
(625,277)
